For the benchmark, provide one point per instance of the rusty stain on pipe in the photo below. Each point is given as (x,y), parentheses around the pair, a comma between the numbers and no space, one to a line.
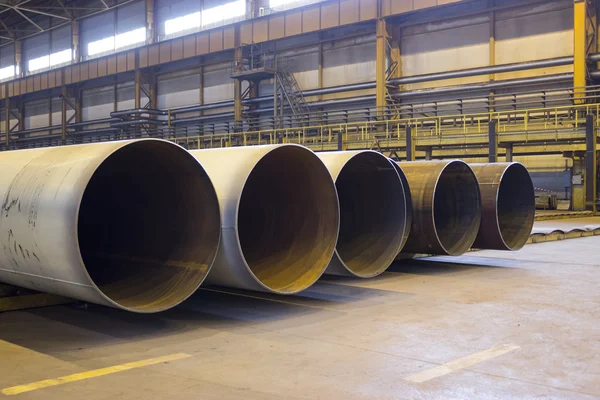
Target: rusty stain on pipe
(130,224)
(508,205)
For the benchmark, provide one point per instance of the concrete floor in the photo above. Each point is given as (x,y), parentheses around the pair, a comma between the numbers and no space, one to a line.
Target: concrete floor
(343,339)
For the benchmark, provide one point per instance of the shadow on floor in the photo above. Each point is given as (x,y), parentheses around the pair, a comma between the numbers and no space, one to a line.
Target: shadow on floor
(52,330)
(446,265)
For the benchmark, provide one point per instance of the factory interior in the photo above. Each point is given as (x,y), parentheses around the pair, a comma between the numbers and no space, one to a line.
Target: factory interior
(299,199)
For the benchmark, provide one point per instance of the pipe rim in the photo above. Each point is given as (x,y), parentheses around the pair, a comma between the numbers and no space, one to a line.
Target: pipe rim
(407,201)
(397,238)
(455,249)
(327,254)
(197,282)
(516,242)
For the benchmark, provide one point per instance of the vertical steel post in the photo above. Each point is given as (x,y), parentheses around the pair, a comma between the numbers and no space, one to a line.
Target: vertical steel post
(410,145)
(590,163)
(7,121)
(579,49)
(509,152)
(63,114)
(381,67)
(493,142)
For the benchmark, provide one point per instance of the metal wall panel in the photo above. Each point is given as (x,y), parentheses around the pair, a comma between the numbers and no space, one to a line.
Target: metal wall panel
(96,28)
(36,113)
(170,9)
(179,91)
(311,20)
(131,16)
(277,27)
(7,55)
(368,9)
(97,103)
(176,49)
(228,38)
(348,11)
(293,23)
(202,46)
(260,32)
(216,40)
(330,15)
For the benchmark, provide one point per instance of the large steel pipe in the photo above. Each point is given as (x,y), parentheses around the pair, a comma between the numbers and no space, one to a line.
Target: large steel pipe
(280,217)
(408,200)
(372,212)
(446,207)
(131,224)
(508,205)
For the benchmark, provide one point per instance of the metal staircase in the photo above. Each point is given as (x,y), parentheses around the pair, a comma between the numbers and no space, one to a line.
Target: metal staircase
(291,91)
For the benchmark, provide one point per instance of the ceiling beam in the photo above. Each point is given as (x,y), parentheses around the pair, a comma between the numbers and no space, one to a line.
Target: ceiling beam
(28,19)
(43,13)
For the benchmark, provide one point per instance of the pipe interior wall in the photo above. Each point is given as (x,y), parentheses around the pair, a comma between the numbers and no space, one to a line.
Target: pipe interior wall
(280,217)
(508,205)
(373,212)
(446,207)
(133,225)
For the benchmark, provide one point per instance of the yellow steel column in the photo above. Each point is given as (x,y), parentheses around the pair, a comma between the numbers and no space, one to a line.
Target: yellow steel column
(138,87)
(237,102)
(579,52)
(380,66)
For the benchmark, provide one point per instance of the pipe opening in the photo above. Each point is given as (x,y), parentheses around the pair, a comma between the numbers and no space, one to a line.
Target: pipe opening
(372,214)
(456,208)
(148,226)
(516,206)
(288,219)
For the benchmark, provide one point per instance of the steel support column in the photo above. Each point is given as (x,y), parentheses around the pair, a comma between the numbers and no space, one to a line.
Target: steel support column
(509,152)
(138,88)
(381,67)
(492,49)
(201,91)
(150,25)
(63,114)
(590,163)
(238,57)
(18,59)
(584,38)
(410,145)
(493,142)
(237,105)
(320,65)
(75,40)
(7,120)
(429,154)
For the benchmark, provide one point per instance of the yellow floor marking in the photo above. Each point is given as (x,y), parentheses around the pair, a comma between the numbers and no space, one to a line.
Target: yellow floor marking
(461,363)
(91,374)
